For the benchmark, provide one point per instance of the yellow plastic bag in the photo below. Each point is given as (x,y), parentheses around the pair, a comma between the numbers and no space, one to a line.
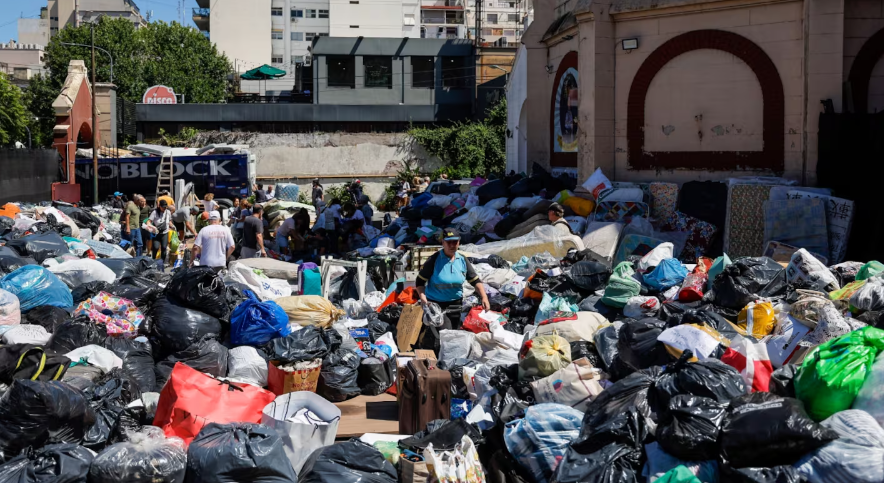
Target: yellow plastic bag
(581,207)
(757,319)
(174,241)
(307,310)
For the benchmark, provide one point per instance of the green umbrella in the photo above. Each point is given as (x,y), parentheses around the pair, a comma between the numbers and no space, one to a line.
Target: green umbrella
(263,73)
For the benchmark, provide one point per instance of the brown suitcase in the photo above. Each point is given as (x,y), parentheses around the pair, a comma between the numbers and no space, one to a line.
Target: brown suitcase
(424,395)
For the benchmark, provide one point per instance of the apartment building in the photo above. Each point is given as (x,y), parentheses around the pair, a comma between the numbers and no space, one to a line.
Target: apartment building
(443,19)
(21,61)
(58,14)
(502,21)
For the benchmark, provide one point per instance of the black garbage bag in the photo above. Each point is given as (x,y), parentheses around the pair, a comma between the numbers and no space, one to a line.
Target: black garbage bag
(520,188)
(517,325)
(495,261)
(36,413)
(146,458)
(590,276)
(47,316)
(200,288)
(236,294)
(226,453)
(613,463)
(139,365)
(375,379)
(594,303)
(176,327)
(82,218)
(764,430)
(637,343)
(338,377)
(6,225)
(122,268)
(123,346)
(710,378)
(40,247)
(301,345)
(582,349)
(88,290)
(390,314)
(432,213)
(508,405)
(777,474)
(377,327)
(620,414)
(524,308)
(782,381)
(606,340)
(143,292)
(443,434)
(205,355)
(108,397)
(11,261)
(54,463)
(690,429)
(491,190)
(348,462)
(500,303)
(75,333)
(742,281)
(672,312)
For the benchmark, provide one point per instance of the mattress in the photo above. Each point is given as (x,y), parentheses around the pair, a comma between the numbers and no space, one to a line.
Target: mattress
(541,239)
(601,240)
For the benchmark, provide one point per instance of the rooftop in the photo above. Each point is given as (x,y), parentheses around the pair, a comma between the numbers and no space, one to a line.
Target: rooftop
(392,46)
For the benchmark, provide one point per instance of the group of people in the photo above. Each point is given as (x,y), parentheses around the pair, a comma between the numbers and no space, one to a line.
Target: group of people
(417,186)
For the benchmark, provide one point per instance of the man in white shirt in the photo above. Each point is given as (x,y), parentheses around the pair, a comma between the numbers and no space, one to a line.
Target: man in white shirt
(214,243)
(283,233)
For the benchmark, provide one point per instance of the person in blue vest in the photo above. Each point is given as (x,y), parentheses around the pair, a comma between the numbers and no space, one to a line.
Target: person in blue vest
(441,278)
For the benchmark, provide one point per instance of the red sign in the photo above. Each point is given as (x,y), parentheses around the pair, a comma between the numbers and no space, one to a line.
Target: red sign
(159,95)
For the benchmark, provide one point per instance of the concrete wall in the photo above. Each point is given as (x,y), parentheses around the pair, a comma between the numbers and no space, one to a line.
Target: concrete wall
(28,174)
(373,18)
(106,99)
(516,95)
(242,31)
(33,31)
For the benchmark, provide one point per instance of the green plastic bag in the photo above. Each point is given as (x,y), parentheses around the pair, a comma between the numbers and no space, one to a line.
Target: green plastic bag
(679,474)
(833,373)
(621,286)
(543,355)
(174,242)
(718,266)
(869,270)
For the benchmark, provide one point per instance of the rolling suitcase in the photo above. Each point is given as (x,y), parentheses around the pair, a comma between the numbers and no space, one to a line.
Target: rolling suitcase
(424,396)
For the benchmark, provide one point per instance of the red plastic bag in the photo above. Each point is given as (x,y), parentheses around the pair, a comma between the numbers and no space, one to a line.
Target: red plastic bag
(408,296)
(692,287)
(752,361)
(475,323)
(191,400)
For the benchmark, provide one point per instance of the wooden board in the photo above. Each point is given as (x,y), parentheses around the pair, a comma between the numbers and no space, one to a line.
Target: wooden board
(368,414)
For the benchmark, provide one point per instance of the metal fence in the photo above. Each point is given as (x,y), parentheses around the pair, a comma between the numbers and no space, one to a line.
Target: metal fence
(28,174)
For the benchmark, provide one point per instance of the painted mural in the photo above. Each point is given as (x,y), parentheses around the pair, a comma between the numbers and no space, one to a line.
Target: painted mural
(565,125)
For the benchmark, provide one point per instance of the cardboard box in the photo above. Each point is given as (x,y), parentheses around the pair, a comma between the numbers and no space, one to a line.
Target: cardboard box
(280,382)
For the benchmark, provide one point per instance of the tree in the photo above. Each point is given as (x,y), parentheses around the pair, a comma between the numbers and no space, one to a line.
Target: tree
(38,99)
(13,115)
(468,149)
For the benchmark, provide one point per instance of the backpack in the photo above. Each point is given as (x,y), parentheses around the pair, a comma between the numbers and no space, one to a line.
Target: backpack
(28,361)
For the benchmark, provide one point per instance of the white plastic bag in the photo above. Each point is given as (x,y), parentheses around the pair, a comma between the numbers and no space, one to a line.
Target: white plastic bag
(356,309)
(575,385)
(657,255)
(805,267)
(264,287)
(639,307)
(10,309)
(496,204)
(584,328)
(83,271)
(596,183)
(26,334)
(524,202)
(96,356)
(245,365)
(374,299)
(458,344)
(300,439)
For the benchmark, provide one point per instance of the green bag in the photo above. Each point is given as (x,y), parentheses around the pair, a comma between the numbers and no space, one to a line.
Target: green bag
(718,266)
(833,373)
(174,242)
(543,355)
(869,270)
(621,286)
(679,474)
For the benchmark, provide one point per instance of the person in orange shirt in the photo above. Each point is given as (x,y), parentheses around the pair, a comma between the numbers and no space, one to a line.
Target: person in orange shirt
(164,195)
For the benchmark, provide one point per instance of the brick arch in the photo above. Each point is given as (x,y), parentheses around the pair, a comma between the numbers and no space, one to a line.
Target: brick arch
(774,117)
(861,70)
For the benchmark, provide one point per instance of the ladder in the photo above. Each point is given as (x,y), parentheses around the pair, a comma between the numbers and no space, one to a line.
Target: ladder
(165,175)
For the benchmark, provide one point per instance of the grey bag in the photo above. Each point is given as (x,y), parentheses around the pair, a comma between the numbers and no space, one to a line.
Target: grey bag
(222,453)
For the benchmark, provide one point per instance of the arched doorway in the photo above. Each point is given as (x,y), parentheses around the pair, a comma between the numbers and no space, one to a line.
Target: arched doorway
(861,71)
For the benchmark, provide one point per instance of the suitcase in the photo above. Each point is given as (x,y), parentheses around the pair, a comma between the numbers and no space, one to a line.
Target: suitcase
(424,395)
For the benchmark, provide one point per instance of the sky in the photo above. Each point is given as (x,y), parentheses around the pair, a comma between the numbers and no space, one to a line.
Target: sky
(166,10)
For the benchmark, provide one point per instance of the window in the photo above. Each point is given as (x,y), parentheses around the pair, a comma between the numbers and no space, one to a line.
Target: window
(456,72)
(298,36)
(509,33)
(297,59)
(276,34)
(497,32)
(341,71)
(354,2)
(486,32)
(309,36)
(322,35)
(492,18)
(513,17)
(54,19)
(311,13)
(276,60)
(276,12)
(354,26)
(423,72)
(518,33)
(378,71)
(323,14)
(297,14)
(503,4)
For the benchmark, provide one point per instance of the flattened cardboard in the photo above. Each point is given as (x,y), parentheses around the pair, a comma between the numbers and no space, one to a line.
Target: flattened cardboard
(409,326)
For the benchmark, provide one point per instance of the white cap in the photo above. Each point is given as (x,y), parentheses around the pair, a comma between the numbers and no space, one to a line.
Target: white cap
(214,215)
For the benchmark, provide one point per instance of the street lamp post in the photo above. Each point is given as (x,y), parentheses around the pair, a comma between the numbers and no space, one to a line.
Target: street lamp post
(100,50)
(506,73)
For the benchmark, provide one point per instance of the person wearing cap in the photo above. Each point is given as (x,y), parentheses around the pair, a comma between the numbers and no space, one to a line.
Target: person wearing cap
(556,214)
(160,218)
(441,278)
(118,202)
(316,195)
(164,196)
(356,189)
(214,244)
(183,220)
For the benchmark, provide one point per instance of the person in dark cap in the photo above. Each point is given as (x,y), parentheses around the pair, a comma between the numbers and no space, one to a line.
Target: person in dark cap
(556,215)
(441,278)
(118,202)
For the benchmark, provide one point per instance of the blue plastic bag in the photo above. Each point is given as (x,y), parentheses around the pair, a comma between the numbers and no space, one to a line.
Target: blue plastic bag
(254,323)
(669,272)
(540,439)
(35,286)
(550,306)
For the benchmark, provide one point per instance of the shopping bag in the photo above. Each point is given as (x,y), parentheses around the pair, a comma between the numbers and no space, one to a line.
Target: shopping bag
(478,320)
(460,465)
(302,439)
(752,361)
(191,400)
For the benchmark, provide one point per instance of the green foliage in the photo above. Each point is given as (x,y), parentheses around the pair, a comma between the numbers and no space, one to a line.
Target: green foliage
(183,139)
(158,54)
(304,197)
(38,99)
(340,192)
(468,149)
(13,115)
(388,201)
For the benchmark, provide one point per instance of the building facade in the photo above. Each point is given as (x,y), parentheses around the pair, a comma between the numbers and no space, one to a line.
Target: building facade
(58,14)
(696,89)
(501,22)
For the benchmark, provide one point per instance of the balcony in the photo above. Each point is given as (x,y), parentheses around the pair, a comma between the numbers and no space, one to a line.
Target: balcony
(442,4)
(204,3)
(436,18)
(201,18)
